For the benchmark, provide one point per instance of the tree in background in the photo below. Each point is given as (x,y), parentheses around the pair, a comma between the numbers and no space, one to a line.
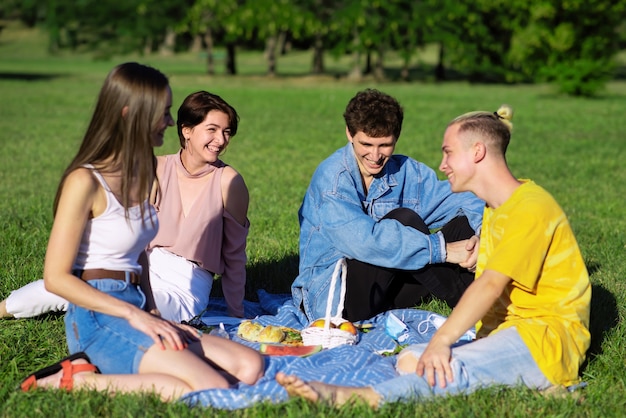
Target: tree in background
(407,30)
(570,43)
(359,25)
(319,24)
(476,35)
(28,11)
(270,20)
(212,21)
(111,27)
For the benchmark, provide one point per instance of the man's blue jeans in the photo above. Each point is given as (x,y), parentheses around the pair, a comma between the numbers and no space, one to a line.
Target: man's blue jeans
(500,359)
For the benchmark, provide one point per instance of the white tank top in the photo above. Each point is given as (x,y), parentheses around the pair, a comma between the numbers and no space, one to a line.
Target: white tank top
(110,241)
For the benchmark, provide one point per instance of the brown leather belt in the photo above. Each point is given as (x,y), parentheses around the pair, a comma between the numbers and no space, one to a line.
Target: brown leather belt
(92,274)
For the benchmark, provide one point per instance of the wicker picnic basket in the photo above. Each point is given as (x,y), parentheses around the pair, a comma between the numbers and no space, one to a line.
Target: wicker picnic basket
(326,336)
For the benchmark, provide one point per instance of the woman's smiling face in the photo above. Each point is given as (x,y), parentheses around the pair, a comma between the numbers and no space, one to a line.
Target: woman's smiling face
(210,137)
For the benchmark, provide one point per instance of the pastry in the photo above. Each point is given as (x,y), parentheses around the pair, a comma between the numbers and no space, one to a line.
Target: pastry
(249,330)
(255,332)
(271,334)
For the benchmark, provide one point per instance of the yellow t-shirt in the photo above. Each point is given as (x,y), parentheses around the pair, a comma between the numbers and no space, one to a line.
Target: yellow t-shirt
(529,239)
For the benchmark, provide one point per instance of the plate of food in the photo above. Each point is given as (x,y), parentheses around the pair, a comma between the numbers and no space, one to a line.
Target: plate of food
(274,334)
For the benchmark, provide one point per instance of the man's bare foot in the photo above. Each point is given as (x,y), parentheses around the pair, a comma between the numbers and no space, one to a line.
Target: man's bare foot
(297,387)
(322,392)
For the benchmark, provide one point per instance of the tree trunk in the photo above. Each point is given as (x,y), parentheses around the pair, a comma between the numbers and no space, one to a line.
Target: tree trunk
(440,70)
(368,63)
(379,66)
(270,54)
(54,30)
(230,59)
(283,45)
(318,54)
(355,72)
(210,62)
(405,71)
(147,46)
(169,43)
(196,44)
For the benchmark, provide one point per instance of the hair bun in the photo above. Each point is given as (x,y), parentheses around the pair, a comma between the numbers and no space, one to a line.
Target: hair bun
(505,115)
(504,112)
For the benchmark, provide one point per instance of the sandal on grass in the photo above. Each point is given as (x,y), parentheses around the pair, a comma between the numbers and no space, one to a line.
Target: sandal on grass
(69,370)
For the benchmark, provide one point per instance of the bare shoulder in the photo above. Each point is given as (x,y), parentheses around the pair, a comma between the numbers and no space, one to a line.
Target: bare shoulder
(232,181)
(81,179)
(235,194)
(81,192)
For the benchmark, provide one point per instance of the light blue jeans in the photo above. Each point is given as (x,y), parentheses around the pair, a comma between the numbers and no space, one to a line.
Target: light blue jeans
(111,342)
(500,359)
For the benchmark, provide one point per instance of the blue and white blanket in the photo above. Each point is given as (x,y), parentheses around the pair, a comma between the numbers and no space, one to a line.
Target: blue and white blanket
(361,364)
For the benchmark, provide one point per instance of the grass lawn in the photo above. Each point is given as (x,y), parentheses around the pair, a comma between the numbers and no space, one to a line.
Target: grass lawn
(573,147)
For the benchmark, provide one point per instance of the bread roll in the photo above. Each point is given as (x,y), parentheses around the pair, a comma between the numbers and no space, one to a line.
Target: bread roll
(249,330)
(271,334)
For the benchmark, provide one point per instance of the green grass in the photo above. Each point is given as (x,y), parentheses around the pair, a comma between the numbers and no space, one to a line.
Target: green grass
(573,147)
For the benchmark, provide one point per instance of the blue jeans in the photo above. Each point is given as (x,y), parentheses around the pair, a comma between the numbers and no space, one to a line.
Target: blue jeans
(111,342)
(500,359)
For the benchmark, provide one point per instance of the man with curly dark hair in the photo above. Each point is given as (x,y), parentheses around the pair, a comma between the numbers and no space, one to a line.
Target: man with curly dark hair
(378,210)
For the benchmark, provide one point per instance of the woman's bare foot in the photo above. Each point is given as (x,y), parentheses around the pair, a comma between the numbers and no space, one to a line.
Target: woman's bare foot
(54,381)
(3,310)
(61,375)
(322,392)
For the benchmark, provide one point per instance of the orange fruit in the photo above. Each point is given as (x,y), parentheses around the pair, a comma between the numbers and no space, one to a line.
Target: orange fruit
(349,327)
(319,323)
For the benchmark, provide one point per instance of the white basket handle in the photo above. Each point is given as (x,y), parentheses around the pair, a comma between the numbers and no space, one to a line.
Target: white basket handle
(341,264)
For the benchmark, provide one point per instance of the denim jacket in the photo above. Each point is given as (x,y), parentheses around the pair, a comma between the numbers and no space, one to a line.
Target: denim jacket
(337,219)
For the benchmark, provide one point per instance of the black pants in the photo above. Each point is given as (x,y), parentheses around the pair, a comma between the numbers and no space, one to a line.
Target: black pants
(371,289)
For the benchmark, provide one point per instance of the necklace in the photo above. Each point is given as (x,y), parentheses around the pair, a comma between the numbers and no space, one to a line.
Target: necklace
(206,169)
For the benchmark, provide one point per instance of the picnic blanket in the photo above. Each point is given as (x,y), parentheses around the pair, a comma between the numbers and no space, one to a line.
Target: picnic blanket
(362,364)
